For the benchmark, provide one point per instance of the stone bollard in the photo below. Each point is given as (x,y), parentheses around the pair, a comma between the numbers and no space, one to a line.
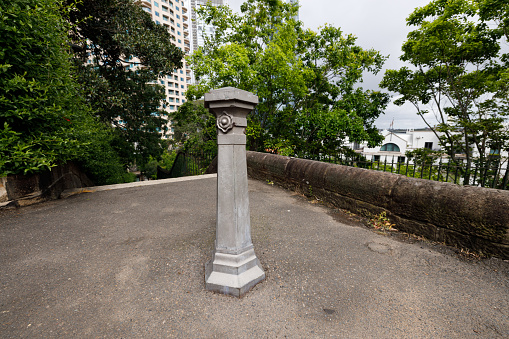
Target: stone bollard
(234,267)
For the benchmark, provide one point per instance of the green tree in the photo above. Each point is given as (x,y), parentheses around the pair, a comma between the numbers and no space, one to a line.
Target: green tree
(194,128)
(458,70)
(41,109)
(121,54)
(307,82)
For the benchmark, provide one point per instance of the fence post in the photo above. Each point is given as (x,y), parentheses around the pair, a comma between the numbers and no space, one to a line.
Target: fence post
(234,267)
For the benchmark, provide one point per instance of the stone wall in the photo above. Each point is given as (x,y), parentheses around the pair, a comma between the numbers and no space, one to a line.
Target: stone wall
(28,189)
(467,217)
(3,191)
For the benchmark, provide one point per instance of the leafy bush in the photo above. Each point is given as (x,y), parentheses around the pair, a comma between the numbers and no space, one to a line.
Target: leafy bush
(40,105)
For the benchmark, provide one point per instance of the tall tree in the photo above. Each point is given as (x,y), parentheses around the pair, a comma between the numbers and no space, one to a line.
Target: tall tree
(459,72)
(307,82)
(121,53)
(194,128)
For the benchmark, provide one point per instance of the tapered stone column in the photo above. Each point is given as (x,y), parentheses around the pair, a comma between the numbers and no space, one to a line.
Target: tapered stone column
(234,267)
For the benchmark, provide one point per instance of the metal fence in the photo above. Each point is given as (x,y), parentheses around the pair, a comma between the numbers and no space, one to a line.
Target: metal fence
(190,163)
(494,174)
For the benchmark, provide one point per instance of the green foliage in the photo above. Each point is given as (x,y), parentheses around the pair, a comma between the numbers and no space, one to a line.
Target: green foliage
(458,69)
(128,53)
(194,128)
(167,159)
(423,155)
(381,222)
(101,161)
(44,120)
(149,169)
(307,82)
(40,105)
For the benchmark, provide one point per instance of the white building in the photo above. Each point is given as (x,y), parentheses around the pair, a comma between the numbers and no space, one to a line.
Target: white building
(397,142)
(173,14)
(198,28)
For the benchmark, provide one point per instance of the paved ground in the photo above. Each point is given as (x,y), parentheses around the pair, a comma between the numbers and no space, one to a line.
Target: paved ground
(129,263)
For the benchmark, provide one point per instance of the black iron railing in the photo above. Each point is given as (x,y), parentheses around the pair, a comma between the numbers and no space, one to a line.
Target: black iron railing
(190,163)
(493,174)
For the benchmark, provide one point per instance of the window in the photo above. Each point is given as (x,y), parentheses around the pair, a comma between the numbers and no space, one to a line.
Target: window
(428,145)
(376,158)
(157,22)
(177,8)
(172,106)
(183,100)
(181,86)
(157,13)
(390,147)
(156,4)
(178,16)
(176,77)
(401,160)
(165,9)
(170,99)
(181,72)
(165,18)
(180,41)
(178,25)
(176,92)
(178,32)
(181,79)
(170,91)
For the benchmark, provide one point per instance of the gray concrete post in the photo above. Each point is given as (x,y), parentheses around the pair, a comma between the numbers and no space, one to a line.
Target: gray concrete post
(234,267)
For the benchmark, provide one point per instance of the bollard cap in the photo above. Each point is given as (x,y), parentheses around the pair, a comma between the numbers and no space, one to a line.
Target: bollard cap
(228,94)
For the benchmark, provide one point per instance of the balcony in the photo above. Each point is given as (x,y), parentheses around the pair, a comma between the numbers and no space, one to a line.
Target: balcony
(144,4)
(185,25)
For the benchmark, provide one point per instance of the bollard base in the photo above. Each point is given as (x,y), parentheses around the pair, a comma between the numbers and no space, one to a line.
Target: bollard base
(233,274)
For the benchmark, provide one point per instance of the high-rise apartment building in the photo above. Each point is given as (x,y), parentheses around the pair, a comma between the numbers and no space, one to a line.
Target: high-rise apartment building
(173,14)
(199,28)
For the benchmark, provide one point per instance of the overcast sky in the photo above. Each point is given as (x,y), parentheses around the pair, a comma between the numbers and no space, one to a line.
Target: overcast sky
(377,24)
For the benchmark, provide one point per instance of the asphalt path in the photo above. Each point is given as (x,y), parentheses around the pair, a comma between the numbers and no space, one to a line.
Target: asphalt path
(129,263)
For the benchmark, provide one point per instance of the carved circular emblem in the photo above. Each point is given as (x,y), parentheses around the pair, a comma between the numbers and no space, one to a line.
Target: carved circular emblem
(225,122)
